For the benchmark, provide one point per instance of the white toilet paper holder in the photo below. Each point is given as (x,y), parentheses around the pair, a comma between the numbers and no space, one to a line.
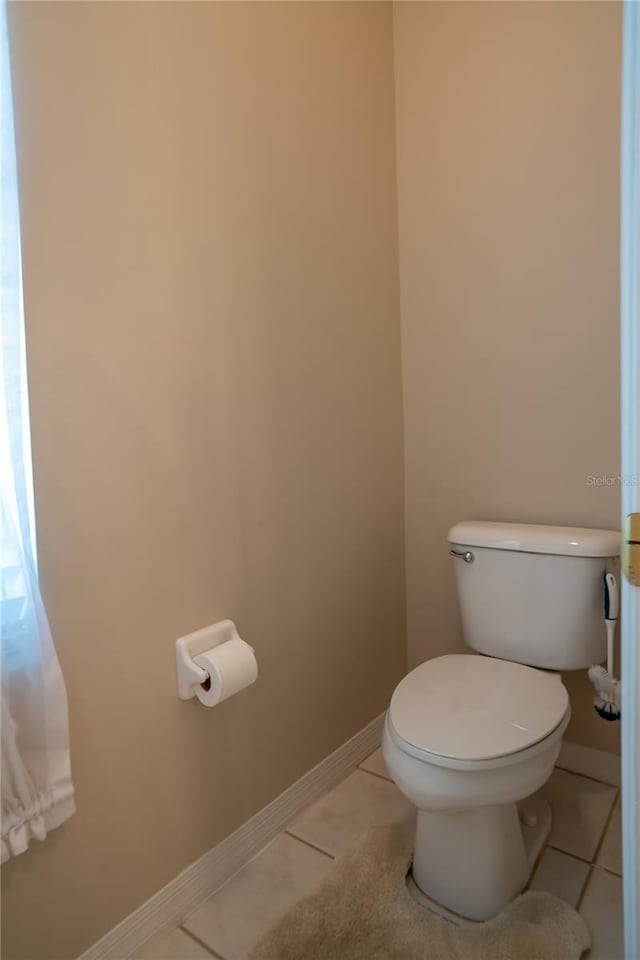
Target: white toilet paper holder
(190,675)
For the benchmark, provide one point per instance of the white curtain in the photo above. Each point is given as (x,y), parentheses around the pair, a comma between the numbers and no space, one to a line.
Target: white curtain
(35,785)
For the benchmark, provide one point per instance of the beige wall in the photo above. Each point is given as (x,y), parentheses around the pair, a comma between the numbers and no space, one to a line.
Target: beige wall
(209,209)
(507,139)
(208,196)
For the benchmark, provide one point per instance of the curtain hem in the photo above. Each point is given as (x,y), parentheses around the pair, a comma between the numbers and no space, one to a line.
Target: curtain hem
(49,812)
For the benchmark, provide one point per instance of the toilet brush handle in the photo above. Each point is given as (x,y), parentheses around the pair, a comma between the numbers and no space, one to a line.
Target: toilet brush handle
(611,616)
(610,597)
(611,632)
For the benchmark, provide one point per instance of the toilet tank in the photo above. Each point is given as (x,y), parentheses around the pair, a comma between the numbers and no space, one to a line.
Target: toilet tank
(534,594)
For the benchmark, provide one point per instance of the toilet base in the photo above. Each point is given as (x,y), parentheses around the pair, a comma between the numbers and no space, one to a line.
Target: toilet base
(474,862)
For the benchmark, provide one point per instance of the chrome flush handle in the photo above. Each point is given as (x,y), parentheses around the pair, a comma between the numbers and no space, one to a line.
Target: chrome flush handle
(467,556)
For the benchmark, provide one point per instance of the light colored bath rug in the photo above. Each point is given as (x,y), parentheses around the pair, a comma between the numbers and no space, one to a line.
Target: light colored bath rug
(362,910)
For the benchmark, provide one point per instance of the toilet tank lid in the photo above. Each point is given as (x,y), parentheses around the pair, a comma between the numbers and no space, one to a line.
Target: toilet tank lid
(536,538)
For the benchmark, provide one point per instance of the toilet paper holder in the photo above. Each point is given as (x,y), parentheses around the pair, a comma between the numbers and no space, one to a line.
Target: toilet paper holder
(190,674)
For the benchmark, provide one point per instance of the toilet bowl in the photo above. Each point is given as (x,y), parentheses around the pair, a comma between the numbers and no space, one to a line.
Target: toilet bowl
(502,736)
(470,738)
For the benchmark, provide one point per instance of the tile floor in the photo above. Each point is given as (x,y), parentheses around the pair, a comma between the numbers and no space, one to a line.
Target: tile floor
(582,863)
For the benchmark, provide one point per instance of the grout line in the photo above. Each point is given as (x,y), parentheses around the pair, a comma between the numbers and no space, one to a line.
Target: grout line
(372,773)
(536,864)
(584,887)
(586,776)
(574,856)
(201,943)
(605,828)
(612,873)
(308,843)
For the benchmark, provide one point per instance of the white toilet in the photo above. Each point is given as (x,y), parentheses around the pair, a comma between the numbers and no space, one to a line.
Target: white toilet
(468,738)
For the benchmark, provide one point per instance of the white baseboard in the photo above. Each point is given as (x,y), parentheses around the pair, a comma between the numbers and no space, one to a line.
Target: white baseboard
(597,764)
(184,893)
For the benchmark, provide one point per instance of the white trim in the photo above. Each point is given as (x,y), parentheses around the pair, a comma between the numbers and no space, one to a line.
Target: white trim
(598,764)
(630,466)
(184,893)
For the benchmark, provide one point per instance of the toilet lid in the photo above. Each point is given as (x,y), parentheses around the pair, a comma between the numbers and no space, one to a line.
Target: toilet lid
(470,707)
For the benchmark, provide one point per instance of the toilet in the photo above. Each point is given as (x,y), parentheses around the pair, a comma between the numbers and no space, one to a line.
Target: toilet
(470,738)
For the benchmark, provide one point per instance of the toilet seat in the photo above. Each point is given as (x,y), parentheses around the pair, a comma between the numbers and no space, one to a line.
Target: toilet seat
(464,710)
